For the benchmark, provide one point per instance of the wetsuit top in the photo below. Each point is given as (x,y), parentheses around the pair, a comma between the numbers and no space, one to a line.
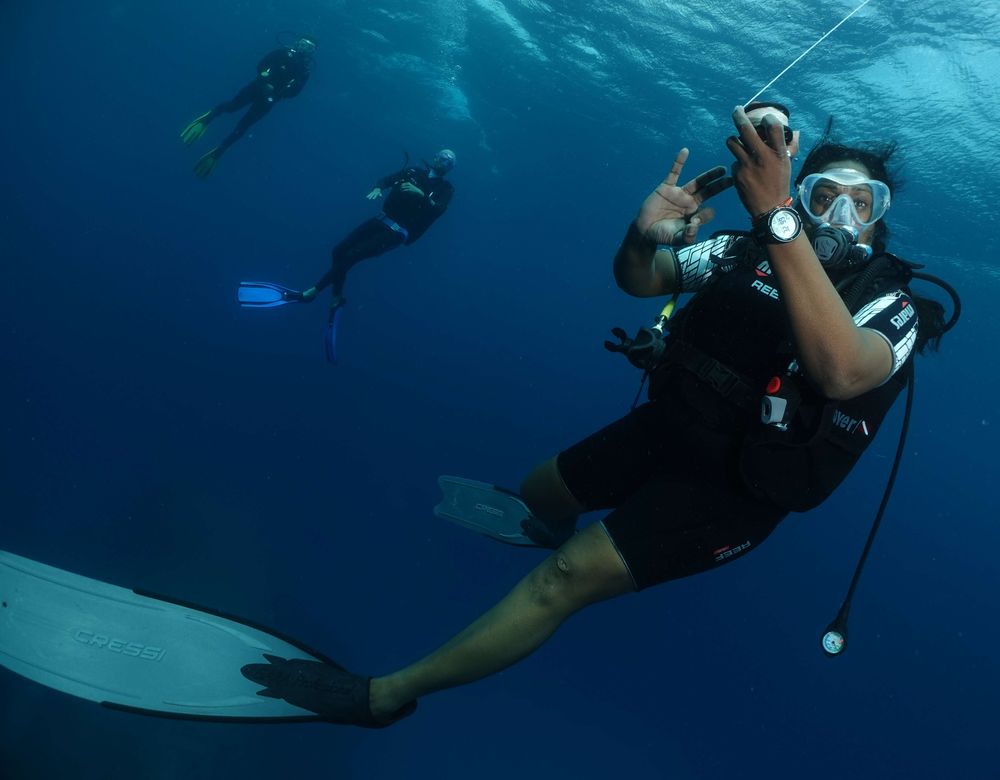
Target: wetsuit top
(285,70)
(737,317)
(414,212)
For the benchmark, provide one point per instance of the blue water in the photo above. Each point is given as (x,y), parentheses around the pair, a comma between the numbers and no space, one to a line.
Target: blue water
(156,435)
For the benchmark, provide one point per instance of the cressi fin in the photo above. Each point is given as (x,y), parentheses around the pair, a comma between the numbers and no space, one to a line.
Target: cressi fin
(149,654)
(484,508)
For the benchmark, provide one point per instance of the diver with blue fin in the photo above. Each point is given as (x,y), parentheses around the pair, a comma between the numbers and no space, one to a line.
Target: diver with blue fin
(417,197)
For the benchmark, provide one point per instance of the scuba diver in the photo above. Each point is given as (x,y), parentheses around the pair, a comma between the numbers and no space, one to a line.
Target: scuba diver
(417,197)
(769,385)
(281,74)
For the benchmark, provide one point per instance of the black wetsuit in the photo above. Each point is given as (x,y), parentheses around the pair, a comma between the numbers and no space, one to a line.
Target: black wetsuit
(280,74)
(405,217)
(671,469)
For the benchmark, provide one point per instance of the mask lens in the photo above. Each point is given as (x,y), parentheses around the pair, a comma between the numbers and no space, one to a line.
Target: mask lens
(844,197)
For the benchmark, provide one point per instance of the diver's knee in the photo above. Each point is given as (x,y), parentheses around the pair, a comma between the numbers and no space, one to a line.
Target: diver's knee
(552,584)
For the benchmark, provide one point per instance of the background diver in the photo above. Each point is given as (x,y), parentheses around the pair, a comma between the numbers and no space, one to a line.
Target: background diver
(280,74)
(417,197)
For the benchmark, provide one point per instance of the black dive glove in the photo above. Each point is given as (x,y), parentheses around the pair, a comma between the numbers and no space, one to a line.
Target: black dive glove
(644,351)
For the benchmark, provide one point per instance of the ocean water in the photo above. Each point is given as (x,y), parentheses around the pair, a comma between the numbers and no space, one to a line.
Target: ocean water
(156,435)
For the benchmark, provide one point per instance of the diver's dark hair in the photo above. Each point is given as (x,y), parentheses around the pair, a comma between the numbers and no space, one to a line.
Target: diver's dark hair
(930,323)
(874,156)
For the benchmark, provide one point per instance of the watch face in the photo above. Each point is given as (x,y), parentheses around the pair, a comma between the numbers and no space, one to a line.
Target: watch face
(784,224)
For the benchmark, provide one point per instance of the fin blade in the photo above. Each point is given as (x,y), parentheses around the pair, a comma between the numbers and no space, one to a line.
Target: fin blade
(265,295)
(330,335)
(131,651)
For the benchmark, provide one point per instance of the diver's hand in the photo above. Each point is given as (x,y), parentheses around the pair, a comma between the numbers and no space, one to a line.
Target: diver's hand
(375,193)
(762,170)
(672,214)
(413,189)
(644,351)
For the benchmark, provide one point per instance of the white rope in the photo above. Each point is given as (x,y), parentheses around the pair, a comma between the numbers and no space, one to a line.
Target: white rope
(803,54)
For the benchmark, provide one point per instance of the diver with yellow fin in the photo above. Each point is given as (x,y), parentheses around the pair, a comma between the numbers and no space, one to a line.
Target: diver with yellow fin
(281,74)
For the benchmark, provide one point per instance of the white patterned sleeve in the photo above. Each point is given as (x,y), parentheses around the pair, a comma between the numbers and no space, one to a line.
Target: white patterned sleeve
(697,263)
(894,317)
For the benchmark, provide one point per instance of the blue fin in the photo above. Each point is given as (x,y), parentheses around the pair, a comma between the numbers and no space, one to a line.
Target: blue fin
(265,295)
(330,335)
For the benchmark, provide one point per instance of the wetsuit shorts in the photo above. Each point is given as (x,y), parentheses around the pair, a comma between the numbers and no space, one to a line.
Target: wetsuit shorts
(679,506)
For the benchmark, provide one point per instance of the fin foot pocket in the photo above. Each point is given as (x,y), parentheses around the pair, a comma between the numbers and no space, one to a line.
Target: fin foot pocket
(327,689)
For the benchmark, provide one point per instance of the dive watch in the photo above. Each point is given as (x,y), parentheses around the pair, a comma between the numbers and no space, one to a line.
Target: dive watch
(778,226)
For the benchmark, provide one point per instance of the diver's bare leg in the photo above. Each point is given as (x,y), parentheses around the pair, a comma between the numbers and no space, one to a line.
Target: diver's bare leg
(585,570)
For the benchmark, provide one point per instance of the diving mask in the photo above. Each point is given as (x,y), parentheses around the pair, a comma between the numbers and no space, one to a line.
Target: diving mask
(843,197)
(305,47)
(443,162)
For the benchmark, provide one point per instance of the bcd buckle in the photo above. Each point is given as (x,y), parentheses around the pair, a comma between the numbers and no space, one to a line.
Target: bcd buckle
(718,377)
